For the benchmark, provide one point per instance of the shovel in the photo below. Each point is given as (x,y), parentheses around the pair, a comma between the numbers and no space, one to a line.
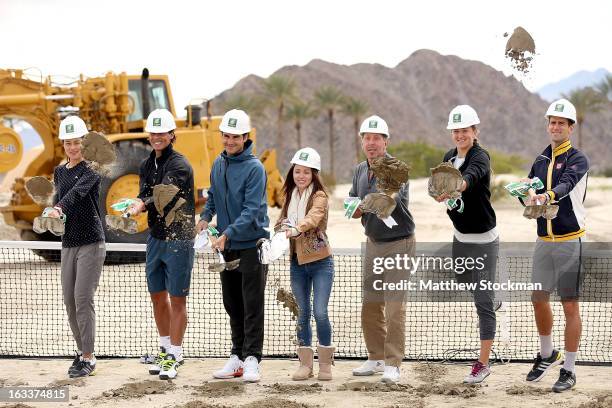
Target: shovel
(122,223)
(221,265)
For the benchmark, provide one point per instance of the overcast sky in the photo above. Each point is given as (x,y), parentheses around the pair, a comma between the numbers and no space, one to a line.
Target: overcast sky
(207,46)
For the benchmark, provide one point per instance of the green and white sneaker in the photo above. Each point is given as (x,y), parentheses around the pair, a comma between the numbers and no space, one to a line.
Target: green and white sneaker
(155,368)
(169,367)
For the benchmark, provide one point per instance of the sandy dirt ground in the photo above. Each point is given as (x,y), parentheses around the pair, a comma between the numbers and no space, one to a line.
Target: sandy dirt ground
(126,383)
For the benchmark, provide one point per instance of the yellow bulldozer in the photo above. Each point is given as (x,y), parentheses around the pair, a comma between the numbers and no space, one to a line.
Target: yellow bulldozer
(116,105)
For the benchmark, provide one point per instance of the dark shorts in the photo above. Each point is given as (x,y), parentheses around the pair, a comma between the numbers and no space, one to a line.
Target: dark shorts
(169,265)
(558,265)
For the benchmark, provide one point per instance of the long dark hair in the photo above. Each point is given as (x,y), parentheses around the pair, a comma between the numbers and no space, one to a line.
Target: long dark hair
(289,185)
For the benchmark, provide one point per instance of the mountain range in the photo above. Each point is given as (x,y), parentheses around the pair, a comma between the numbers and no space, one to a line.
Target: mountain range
(415,98)
(580,79)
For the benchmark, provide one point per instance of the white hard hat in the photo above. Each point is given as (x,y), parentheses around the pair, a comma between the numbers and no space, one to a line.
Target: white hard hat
(235,122)
(374,124)
(462,116)
(72,127)
(160,121)
(563,109)
(307,157)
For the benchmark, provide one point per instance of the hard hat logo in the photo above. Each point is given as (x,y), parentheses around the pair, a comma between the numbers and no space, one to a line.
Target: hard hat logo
(303,156)
(457,118)
(373,124)
(232,122)
(156,121)
(559,107)
(70,128)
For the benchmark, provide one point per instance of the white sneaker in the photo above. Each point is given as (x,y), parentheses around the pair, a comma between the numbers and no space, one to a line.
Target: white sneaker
(251,370)
(169,367)
(370,367)
(232,368)
(478,373)
(155,367)
(391,375)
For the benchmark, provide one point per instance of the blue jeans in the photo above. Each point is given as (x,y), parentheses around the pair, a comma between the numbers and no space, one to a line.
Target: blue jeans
(318,275)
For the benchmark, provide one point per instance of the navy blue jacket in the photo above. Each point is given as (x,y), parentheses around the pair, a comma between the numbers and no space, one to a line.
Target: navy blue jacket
(564,172)
(237,195)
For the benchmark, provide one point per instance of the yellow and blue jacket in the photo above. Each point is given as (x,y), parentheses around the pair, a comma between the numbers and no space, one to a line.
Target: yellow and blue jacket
(564,172)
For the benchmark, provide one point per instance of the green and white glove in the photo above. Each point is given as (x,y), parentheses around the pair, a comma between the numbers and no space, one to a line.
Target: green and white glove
(123,204)
(521,188)
(350,206)
(453,203)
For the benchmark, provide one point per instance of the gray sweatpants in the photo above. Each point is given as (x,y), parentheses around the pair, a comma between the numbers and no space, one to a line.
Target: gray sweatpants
(81,269)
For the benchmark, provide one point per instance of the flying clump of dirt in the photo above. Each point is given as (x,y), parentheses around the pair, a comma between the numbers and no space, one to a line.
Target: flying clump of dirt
(41,190)
(287,299)
(99,151)
(520,49)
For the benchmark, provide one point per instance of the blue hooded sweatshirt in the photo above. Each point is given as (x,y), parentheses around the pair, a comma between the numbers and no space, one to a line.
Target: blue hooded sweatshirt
(237,195)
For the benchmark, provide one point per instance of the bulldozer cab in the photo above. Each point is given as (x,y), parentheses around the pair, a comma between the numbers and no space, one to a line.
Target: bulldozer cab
(158,96)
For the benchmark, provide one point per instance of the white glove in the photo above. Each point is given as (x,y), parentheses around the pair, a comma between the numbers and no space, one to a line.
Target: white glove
(271,250)
(293,232)
(202,241)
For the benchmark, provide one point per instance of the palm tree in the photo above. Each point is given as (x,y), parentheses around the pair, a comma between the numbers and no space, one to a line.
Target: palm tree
(586,100)
(298,112)
(355,109)
(329,100)
(279,89)
(254,105)
(605,87)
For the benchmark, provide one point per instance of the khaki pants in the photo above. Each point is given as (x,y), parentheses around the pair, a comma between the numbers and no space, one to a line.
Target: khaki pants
(383,314)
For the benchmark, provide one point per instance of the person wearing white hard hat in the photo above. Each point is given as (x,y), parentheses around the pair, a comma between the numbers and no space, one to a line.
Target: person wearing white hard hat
(77,190)
(557,258)
(237,196)
(304,219)
(383,314)
(475,226)
(170,253)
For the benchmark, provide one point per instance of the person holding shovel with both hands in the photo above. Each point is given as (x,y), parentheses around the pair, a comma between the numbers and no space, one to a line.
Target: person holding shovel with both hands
(237,196)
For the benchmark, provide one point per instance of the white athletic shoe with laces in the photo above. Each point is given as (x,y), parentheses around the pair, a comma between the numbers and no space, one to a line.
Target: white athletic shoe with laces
(169,367)
(391,375)
(233,368)
(370,367)
(251,370)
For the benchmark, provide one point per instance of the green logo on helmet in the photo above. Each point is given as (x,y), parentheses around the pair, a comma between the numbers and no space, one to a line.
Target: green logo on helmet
(559,107)
(304,156)
(457,118)
(373,124)
(232,122)
(156,121)
(70,128)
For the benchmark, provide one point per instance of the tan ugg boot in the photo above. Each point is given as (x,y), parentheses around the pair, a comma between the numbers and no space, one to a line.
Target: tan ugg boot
(326,360)
(304,372)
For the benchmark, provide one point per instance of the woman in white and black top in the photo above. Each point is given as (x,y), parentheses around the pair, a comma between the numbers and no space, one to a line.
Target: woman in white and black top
(475,235)
(77,190)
